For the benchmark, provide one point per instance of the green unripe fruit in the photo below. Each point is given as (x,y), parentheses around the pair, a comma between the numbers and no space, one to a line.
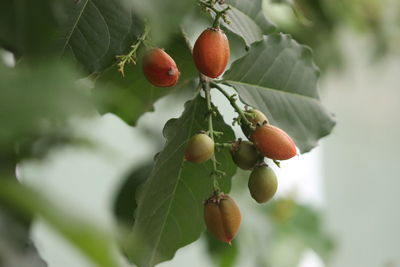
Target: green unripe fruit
(256,117)
(245,155)
(200,148)
(263,183)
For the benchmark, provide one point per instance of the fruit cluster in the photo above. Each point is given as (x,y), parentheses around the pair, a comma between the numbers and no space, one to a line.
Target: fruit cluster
(211,55)
(221,214)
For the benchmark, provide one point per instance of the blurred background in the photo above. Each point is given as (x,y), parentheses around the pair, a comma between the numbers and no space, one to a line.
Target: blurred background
(336,206)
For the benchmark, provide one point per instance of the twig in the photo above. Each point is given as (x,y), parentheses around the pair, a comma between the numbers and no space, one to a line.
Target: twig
(232,100)
(215,173)
(209,5)
(131,56)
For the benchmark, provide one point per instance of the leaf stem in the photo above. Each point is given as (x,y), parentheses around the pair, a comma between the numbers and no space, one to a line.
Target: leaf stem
(131,56)
(232,100)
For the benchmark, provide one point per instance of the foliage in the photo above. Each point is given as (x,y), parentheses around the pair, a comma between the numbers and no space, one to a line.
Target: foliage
(95,243)
(175,189)
(321,23)
(66,56)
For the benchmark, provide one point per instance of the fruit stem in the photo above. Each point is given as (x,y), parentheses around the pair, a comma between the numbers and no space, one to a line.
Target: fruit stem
(215,173)
(277,163)
(232,100)
(131,56)
(218,13)
(223,145)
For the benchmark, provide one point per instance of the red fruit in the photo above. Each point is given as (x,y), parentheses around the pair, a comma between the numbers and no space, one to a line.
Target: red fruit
(159,68)
(211,52)
(222,217)
(273,142)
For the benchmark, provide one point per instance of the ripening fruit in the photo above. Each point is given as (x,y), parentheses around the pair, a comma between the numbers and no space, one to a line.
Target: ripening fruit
(211,52)
(262,184)
(245,155)
(222,217)
(200,148)
(159,68)
(273,142)
(257,118)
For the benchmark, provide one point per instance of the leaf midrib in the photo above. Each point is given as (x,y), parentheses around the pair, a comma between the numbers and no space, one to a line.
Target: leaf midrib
(74,26)
(151,262)
(228,82)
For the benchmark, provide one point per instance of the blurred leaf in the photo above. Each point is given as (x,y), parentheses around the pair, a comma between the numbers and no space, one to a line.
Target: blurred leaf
(164,16)
(16,249)
(286,251)
(95,31)
(125,203)
(306,224)
(170,210)
(223,254)
(247,20)
(27,26)
(279,78)
(36,102)
(93,242)
(301,223)
(131,96)
(91,31)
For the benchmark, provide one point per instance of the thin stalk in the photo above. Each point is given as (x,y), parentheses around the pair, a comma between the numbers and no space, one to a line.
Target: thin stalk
(223,145)
(232,101)
(206,88)
(218,13)
(131,56)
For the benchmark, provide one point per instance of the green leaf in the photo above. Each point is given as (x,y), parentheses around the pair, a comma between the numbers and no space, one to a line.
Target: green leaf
(247,20)
(131,96)
(164,16)
(170,210)
(306,223)
(38,102)
(125,203)
(35,105)
(279,78)
(95,31)
(92,32)
(93,242)
(224,255)
(301,223)
(27,27)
